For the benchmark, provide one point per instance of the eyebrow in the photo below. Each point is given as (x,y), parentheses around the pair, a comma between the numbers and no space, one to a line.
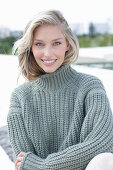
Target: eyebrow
(56,39)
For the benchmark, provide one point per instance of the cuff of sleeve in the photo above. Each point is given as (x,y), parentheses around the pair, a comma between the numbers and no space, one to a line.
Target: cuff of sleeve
(32,162)
(24,160)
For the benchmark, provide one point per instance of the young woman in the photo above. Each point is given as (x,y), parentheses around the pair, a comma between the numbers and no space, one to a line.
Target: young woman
(60,119)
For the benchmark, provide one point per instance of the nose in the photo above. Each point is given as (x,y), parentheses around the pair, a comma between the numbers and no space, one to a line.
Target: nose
(47,51)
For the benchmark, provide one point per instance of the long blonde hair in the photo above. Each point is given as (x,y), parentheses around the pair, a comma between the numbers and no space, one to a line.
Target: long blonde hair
(22,47)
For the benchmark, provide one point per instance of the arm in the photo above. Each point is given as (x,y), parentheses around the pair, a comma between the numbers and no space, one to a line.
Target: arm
(16,127)
(21,143)
(96,137)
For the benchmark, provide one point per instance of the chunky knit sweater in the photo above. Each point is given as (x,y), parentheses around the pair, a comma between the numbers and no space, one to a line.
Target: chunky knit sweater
(61,120)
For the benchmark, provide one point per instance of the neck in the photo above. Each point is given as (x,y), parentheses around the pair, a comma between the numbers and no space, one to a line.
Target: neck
(56,80)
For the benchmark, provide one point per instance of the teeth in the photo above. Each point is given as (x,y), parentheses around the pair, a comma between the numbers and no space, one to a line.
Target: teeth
(51,61)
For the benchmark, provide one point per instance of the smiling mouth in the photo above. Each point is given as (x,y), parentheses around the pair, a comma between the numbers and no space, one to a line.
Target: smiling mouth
(49,62)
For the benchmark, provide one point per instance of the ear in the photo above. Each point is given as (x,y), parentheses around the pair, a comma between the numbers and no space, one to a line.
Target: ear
(68,46)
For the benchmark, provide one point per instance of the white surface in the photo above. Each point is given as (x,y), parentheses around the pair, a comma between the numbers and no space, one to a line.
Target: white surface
(5,163)
(8,81)
(105,53)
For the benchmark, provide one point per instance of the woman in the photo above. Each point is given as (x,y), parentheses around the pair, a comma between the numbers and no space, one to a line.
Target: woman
(60,118)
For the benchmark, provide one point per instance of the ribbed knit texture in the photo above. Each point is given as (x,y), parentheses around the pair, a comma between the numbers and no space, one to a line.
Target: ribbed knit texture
(61,120)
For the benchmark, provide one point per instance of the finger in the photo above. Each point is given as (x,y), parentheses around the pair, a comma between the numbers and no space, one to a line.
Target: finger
(18,160)
(21,154)
(18,166)
(19,163)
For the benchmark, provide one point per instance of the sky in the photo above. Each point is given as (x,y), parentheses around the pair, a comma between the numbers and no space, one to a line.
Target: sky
(16,13)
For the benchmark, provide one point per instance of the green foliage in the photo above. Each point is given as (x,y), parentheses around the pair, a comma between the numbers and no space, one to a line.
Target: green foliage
(6,44)
(95,41)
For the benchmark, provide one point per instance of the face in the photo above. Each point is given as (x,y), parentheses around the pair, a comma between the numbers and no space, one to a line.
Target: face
(49,47)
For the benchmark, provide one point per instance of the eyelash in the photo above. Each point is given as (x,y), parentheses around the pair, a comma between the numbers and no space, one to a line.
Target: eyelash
(57,43)
(54,44)
(39,44)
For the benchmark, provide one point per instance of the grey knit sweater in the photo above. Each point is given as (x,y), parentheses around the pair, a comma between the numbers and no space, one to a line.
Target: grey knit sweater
(61,120)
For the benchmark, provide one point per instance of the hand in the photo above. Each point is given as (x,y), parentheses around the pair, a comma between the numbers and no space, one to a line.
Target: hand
(18,160)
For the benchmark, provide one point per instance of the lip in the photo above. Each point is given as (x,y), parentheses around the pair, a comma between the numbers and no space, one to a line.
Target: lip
(48,63)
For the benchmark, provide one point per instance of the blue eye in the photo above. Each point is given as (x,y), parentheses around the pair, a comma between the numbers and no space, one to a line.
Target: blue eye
(39,44)
(57,43)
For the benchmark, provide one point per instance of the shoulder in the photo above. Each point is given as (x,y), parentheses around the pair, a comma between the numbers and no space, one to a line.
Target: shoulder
(86,82)
(22,91)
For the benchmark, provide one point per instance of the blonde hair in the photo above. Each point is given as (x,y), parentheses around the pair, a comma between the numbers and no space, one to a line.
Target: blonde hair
(28,65)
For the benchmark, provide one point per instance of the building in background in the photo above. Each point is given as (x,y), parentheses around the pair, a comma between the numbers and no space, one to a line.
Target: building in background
(16,33)
(100,28)
(4,32)
(78,29)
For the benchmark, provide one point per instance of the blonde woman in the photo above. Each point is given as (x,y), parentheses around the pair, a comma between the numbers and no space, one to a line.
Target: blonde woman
(60,119)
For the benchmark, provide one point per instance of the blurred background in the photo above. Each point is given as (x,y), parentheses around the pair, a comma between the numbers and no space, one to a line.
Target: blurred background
(90,20)
(92,23)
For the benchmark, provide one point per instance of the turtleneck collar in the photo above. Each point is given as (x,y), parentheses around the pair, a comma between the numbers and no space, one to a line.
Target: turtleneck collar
(56,80)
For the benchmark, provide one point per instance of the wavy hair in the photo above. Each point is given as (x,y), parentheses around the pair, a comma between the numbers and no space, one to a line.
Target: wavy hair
(22,47)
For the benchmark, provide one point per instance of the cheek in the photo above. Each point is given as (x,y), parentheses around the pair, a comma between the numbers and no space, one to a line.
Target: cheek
(61,53)
(36,54)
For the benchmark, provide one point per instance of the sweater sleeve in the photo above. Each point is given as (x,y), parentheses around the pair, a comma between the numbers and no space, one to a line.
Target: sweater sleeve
(16,128)
(96,137)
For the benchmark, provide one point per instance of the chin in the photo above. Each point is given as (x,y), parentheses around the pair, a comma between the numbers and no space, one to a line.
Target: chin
(50,71)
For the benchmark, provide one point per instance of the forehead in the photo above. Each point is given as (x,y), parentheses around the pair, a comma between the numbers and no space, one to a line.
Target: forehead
(48,30)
